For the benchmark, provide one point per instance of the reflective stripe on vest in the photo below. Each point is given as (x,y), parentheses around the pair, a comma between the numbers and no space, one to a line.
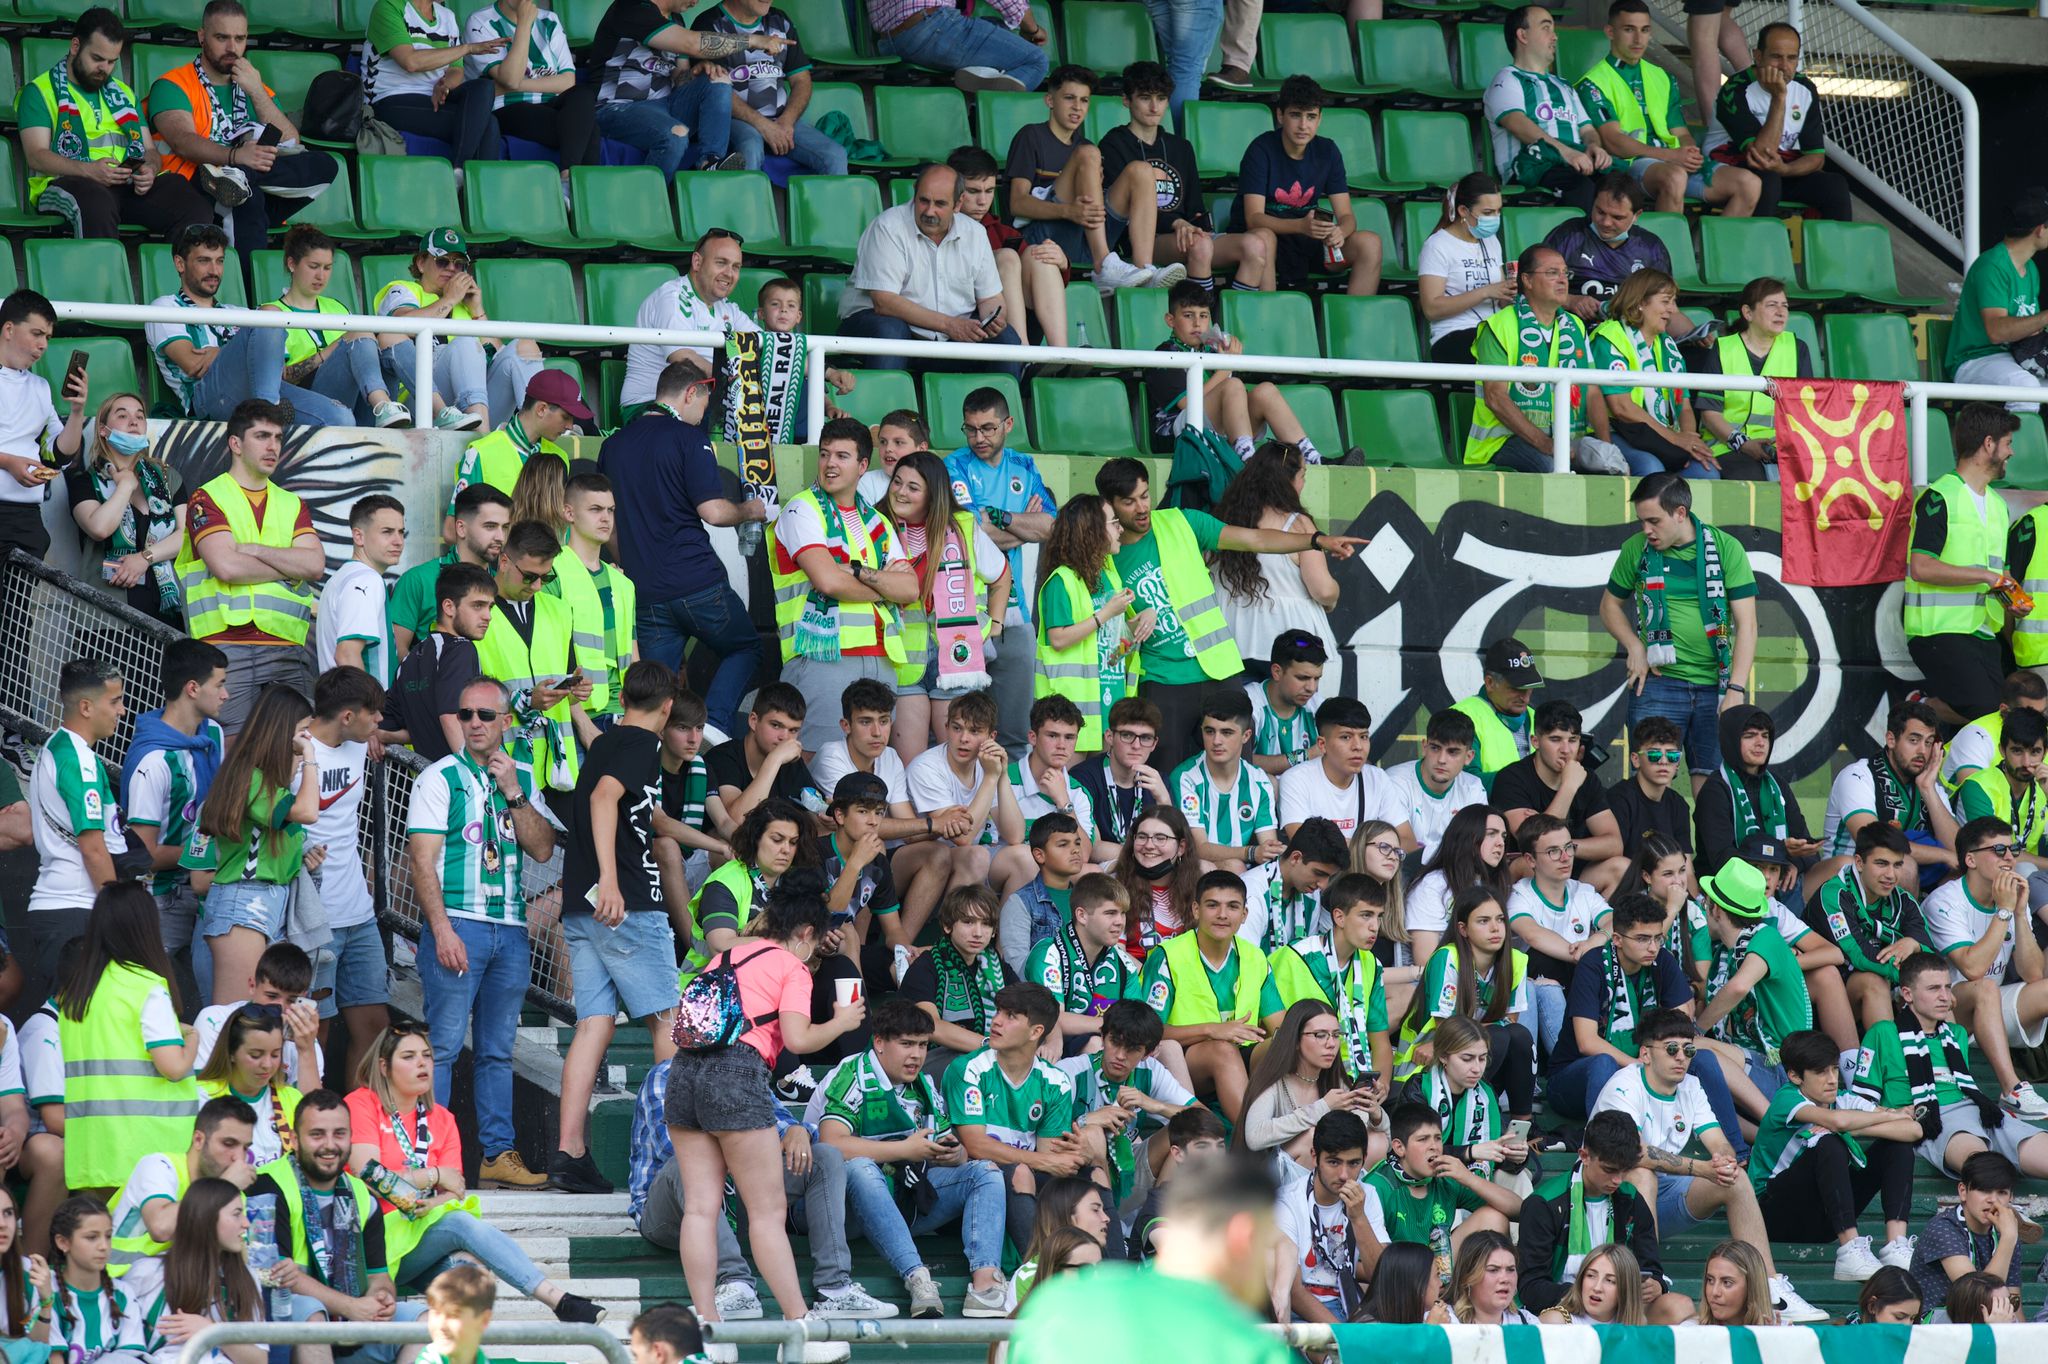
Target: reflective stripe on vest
(281,609)
(1497,747)
(738,879)
(597,657)
(104,139)
(916,617)
(1973,542)
(2030,633)
(1193,594)
(117,1107)
(1651,125)
(1194,999)
(505,657)
(1074,672)
(1488,433)
(857,620)
(1754,414)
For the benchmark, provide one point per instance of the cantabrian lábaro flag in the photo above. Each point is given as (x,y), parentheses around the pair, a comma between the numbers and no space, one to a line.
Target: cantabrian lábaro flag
(1846,484)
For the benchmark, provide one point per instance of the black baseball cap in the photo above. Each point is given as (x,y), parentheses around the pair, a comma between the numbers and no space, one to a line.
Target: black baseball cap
(1510,660)
(859,788)
(1757,848)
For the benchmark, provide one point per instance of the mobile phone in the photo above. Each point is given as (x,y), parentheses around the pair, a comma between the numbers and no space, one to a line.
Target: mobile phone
(1519,1129)
(75,365)
(993,321)
(1322,215)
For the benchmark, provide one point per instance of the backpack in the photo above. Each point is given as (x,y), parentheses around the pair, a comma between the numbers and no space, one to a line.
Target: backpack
(1204,462)
(710,1017)
(334,107)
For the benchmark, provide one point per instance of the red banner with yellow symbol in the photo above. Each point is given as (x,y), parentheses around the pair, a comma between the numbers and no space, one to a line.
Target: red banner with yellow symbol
(1846,486)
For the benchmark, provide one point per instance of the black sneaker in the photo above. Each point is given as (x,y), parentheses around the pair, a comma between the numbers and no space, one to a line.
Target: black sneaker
(575,1307)
(576,1174)
(730,161)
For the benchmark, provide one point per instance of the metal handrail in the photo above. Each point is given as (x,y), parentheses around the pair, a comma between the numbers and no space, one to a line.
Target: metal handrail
(396,1333)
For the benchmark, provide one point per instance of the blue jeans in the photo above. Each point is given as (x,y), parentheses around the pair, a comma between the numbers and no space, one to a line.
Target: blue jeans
(461,1233)
(949,40)
(1642,462)
(702,105)
(251,365)
(1696,709)
(1187,32)
(868,322)
(972,1192)
(1547,997)
(1575,1087)
(813,152)
(483,1002)
(464,121)
(463,376)
(717,618)
(351,375)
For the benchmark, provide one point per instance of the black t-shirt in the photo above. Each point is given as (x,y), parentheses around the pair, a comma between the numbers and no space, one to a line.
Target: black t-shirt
(1115,806)
(1166,391)
(1039,157)
(145,597)
(727,764)
(1637,815)
(429,685)
(630,756)
(876,890)
(1519,788)
(1180,193)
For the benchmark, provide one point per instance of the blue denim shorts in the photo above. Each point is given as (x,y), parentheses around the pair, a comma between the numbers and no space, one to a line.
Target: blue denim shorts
(351,970)
(245,904)
(1673,1217)
(633,965)
(1070,237)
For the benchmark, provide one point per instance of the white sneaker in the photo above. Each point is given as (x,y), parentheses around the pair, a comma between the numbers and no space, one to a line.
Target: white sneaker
(390,414)
(737,1301)
(1166,276)
(853,1302)
(993,1301)
(2024,1101)
(1793,1309)
(457,419)
(1897,1252)
(1854,1261)
(816,1351)
(1117,273)
(972,78)
(924,1294)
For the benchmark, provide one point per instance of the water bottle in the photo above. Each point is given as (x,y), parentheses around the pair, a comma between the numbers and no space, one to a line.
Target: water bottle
(1081,333)
(265,1256)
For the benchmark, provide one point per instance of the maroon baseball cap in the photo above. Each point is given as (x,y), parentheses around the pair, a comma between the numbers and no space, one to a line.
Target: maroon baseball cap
(553,386)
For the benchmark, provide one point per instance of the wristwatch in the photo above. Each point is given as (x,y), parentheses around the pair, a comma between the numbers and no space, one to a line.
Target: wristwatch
(2004,914)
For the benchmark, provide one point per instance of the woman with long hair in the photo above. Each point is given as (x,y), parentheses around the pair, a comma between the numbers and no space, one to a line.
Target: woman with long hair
(91,1318)
(1662,870)
(1376,852)
(1405,1290)
(1297,1078)
(1083,615)
(1890,1297)
(1762,341)
(26,1286)
(1735,1289)
(1607,1291)
(772,839)
(1059,1250)
(264,797)
(1485,1279)
(246,1062)
(1158,869)
(541,493)
(966,582)
(1476,974)
(1454,1086)
(1982,1299)
(1065,1203)
(956,982)
(719,1106)
(116,998)
(1462,269)
(406,1148)
(1473,852)
(1655,427)
(344,366)
(130,506)
(203,1278)
(1264,594)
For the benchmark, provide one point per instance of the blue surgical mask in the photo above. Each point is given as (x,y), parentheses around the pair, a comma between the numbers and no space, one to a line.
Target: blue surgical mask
(1486,225)
(127,443)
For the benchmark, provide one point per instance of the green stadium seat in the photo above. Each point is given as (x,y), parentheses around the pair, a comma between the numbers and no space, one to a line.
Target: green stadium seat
(354,18)
(1084,310)
(2029,466)
(302,20)
(1397,427)
(34,10)
(877,393)
(1675,231)
(1937,332)
(1482,52)
(1460,403)
(1377,328)
(1140,318)
(93,271)
(1316,410)
(1941,444)
(844,97)
(10,274)
(822,289)
(1870,346)
(14,207)
(1371,213)
(40,54)
(1804,328)
(407,196)
(1527,225)
(520,200)
(1282,322)
(1107,37)
(1351,129)
(901,190)
(739,201)
(827,35)
(827,213)
(611,377)
(1432,146)
(1105,113)
(379,271)
(1221,132)
(998,114)
(1854,259)
(160,276)
(612,294)
(1418,219)
(290,75)
(529,288)
(624,204)
(1404,54)
(1310,45)
(923,123)
(1577,50)
(109,365)
(1445,7)
(747,292)
(1734,251)
(943,394)
(334,212)
(164,16)
(147,61)
(1090,416)
(580,19)
(10,84)
(271,278)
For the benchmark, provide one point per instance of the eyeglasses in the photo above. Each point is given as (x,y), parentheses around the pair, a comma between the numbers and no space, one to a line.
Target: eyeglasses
(986,429)
(1563,851)
(1323,1034)
(1686,1049)
(486,714)
(1154,839)
(1996,849)
(1384,848)
(1643,939)
(1134,738)
(1663,755)
(534,579)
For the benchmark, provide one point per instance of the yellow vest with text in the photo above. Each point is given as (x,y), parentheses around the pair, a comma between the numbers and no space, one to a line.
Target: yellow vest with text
(105,140)
(1488,432)
(505,657)
(2030,632)
(1406,1063)
(1754,414)
(1075,672)
(1973,542)
(599,656)
(301,343)
(1496,742)
(283,609)
(1194,999)
(861,624)
(916,617)
(1652,125)
(286,1178)
(1296,982)
(500,461)
(1193,594)
(117,1108)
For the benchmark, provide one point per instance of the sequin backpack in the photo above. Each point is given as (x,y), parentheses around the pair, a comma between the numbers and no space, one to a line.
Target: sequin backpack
(710,1016)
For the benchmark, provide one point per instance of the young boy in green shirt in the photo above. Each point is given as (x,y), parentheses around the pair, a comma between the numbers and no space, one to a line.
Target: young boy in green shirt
(1211,987)
(1420,1195)
(1124,1095)
(1756,992)
(459,1303)
(1867,909)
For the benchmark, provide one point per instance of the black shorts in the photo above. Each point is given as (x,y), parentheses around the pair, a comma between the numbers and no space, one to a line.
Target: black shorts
(1301,259)
(1705,6)
(1963,670)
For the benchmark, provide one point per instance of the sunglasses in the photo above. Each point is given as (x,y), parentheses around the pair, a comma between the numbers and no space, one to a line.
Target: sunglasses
(1996,849)
(484,713)
(535,579)
(1662,755)
(722,234)
(1686,1049)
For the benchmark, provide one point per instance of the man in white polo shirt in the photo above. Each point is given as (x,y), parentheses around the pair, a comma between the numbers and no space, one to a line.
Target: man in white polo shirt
(699,301)
(28,421)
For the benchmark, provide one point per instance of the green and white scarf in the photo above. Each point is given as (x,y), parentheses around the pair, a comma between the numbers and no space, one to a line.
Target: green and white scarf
(784,358)
(1742,1025)
(131,538)
(1573,351)
(1621,995)
(1578,1237)
(1690,920)
(1351,1011)
(68,128)
(967,987)
(1660,403)
(1466,1119)
(818,629)
(224,125)
(1653,613)
(1922,1073)
(1898,800)
(1765,814)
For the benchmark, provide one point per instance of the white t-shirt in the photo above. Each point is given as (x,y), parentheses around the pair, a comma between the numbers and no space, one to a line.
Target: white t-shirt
(214,1017)
(677,305)
(1320,1235)
(28,426)
(1034,805)
(1463,266)
(1430,814)
(1972,747)
(1853,792)
(873,487)
(10,1061)
(1955,920)
(1305,791)
(155,1176)
(1577,919)
(1261,892)
(933,787)
(1428,904)
(352,606)
(832,763)
(797,528)
(344,889)
(70,782)
(1669,1122)
(42,1058)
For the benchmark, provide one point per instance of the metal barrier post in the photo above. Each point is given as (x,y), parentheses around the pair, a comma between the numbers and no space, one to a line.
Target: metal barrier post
(1196,378)
(814,388)
(1916,430)
(395,1333)
(423,381)
(1561,428)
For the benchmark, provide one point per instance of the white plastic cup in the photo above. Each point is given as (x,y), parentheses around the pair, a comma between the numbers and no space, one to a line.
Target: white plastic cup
(847,990)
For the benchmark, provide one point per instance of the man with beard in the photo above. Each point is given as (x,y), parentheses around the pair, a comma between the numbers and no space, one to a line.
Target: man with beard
(89,158)
(1900,784)
(1958,556)
(332,1239)
(698,301)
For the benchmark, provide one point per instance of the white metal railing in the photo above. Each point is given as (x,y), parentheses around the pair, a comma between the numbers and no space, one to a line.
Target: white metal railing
(1197,365)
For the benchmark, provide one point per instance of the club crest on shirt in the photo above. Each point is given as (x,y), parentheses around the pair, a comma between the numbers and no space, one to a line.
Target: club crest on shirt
(1037,1112)
(1016,486)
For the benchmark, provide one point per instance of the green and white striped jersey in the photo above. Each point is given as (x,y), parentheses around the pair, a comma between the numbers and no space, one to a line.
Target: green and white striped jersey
(1230,814)
(71,792)
(481,861)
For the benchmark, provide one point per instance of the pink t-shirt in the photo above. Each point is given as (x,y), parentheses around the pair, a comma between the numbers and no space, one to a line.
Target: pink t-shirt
(773,980)
(368,1120)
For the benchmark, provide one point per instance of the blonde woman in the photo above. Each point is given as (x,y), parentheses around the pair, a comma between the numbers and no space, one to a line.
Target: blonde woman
(541,494)
(130,506)
(1736,1289)
(1376,852)
(1607,1291)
